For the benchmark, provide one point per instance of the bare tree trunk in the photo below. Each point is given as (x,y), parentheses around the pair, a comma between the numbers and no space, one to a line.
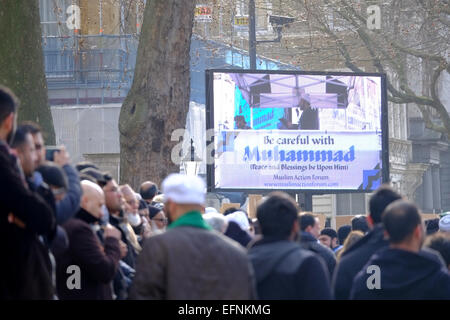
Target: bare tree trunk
(22,61)
(158,101)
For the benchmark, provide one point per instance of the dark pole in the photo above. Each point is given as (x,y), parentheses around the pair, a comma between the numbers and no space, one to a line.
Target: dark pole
(308,202)
(252,34)
(192,150)
(305,201)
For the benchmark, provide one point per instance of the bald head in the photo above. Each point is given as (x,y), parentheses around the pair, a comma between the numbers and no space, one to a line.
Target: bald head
(93,198)
(148,191)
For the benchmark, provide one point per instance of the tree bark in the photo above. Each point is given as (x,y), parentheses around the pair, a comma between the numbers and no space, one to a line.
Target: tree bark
(22,62)
(158,101)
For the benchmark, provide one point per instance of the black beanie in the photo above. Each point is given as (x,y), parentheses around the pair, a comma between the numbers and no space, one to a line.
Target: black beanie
(142,204)
(153,211)
(96,174)
(53,175)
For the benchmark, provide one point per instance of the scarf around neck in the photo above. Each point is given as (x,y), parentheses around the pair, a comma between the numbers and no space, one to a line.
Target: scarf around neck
(190,219)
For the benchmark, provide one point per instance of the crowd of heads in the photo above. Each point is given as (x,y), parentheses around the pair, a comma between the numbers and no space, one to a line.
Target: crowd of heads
(131,216)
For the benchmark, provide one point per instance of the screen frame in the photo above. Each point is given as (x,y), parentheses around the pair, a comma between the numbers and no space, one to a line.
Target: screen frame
(209,108)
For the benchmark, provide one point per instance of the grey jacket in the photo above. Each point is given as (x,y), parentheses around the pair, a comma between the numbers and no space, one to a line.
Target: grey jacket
(188,263)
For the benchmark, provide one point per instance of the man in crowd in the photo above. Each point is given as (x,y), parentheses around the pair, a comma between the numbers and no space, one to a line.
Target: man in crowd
(139,224)
(440,242)
(402,270)
(158,219)
(359,223)
(24,216)
(309,120)
(115,204)
(190,261)
(69,205)
(309,233)
(148,190)
(97,263)
(357,255)
(329,238)
(283,269)
(343,233)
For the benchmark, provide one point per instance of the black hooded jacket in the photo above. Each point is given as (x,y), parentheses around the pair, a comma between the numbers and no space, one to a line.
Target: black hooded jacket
(404,275)
(285,271)
(354,259)
(308,242)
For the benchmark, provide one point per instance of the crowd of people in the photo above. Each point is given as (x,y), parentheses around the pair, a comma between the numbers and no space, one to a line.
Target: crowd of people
(72,232)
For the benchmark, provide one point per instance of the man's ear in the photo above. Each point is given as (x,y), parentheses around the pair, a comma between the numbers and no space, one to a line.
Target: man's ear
(308,228)
(334,242)
(9,122)
(418,231)
(295,227)
(369,221)
(84,201)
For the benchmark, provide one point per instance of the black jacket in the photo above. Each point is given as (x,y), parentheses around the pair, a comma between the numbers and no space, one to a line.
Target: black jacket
(98,263)
(308,242)
(235,232)
(24,266)
(354,259)
(309,120)
(283,270)
(404,275)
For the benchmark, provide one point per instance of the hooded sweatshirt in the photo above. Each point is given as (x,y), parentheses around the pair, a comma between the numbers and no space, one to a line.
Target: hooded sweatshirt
(354,259)
(403,275)
(283,270)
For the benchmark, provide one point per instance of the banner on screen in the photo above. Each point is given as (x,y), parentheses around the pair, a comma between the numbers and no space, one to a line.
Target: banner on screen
(297,131)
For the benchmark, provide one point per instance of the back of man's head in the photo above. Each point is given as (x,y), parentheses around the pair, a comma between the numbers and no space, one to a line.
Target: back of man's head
(432,226)
(360,223)
(80,166)
(148,190)
(95,175)
(343,233)
(8,103)
(400,219)
(440,241)
(382,197)
(306,220)
(276,215)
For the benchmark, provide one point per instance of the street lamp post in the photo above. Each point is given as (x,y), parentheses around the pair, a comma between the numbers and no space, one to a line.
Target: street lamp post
(191,163)
(277,22)
(252,34)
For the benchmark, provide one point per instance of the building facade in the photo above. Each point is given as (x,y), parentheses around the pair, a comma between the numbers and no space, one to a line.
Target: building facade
(90,51)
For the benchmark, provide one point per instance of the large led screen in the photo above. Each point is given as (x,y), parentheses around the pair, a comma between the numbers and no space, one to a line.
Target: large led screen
(297,130)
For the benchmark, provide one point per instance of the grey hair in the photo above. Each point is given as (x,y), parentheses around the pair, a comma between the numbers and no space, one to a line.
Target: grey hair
(217,221)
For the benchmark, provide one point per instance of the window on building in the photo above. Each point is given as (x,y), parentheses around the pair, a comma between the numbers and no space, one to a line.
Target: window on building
(351,203)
